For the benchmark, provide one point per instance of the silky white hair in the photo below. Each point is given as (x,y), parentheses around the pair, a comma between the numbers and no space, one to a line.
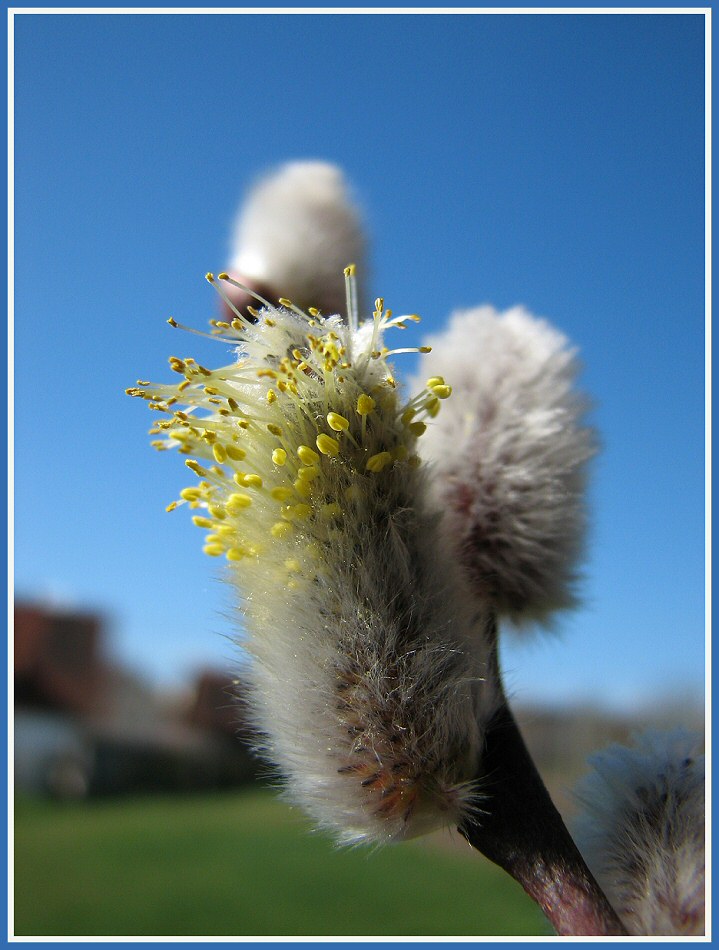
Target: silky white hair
(296,232)
(508,458)
(641,831)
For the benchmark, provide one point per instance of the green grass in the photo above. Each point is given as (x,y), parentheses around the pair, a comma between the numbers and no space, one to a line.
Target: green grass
(242,865)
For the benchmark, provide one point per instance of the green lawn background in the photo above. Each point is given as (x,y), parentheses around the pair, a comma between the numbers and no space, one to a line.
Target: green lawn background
(243,865)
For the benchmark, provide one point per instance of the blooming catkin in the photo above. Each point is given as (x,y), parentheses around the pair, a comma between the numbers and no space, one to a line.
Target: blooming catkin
(641,831)
(295,232)
(363,688)
(508,459)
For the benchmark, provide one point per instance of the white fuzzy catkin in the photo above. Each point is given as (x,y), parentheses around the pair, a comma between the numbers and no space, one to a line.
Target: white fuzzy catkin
(641,831)
(363,686)
(508,459)
(296,231)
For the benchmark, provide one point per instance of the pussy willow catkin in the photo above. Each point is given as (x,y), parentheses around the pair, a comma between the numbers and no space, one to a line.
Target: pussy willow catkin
(369,683)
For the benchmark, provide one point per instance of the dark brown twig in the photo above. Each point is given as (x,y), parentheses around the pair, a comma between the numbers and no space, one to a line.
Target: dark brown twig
(520,829)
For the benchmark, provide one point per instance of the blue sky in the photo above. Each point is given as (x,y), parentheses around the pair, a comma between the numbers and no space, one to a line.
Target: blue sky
(552,161)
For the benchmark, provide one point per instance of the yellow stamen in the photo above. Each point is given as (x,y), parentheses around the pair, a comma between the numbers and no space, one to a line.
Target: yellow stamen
(237,501)
(308,473)
(327,445)
(365,405)
(337,422)
(202,522)
(281,529)
(442,392)
(307,455)
(378,462)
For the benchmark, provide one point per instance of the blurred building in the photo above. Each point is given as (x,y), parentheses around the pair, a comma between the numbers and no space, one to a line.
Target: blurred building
(85,726)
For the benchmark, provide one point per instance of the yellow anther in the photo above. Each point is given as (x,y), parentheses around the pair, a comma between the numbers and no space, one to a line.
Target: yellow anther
(279,456)
(442,392)
(313,311)
(303,489)
(308,473)
(195,467)
(307,455)
(332,510)
(350,270)
(297,512)
(281,493)
(274,429)
(213,539)
(327,445)
(202,522)
(284,302)
(407,416)
(237,501)
(217,511)
(353,492)
(172,321)
(224,530)
(178,434)
(236,554)
(378,462)
(434,381)
(337,422)
(417,428)
(365,404)
(223,276)
(271,396)
(171,506)
(243,423)
(235,453)
(432,407)
(214,550)
(292,564)
(281,529)
(425,349)
(190,494)
(219,452)
(252,481)
(210,276)
(379,304)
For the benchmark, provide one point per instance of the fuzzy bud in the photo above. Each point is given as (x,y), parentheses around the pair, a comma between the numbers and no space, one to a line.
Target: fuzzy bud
(295,233)
(508,457)
(641,832)
(371,681)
